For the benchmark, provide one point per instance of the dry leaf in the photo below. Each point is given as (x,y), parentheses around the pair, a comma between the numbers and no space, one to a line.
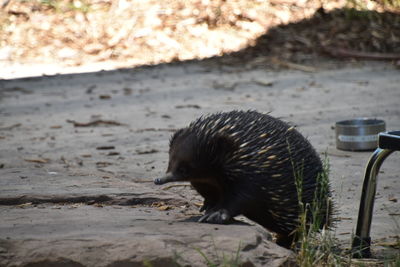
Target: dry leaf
(164,207)
(24,205)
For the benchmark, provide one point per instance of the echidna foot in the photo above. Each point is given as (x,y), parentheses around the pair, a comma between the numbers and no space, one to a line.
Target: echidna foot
(221,216)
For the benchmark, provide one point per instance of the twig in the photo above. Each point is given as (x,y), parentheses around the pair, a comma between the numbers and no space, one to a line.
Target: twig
(105,147)
(155,130)
(151,151)
(95,123)
(38,160)
(341,52)
(10,127)
(174,185)
(188,106)
(291,65)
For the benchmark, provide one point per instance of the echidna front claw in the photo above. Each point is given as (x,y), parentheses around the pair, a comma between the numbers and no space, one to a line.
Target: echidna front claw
(219,217)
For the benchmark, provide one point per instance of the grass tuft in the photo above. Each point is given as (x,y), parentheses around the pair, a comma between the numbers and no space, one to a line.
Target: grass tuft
(222,260)
(315,244)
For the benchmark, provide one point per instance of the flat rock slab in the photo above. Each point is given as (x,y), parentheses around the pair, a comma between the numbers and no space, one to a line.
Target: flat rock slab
(56,220)
(78,154)
(82,235)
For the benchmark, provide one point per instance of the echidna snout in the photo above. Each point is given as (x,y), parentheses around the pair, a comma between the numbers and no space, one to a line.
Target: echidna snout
(168,177)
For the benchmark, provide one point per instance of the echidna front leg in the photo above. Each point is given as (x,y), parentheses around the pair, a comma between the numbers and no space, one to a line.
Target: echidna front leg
(219,206)
(210,195)
(224,211)
(208,205)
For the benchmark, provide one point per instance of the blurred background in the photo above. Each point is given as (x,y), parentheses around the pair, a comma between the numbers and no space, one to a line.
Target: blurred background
(127,33)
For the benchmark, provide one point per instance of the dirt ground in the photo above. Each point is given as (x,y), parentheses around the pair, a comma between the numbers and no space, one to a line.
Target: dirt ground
(85,147)
(84,124)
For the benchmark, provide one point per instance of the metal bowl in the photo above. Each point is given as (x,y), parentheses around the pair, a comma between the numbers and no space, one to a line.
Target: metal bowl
(358,134)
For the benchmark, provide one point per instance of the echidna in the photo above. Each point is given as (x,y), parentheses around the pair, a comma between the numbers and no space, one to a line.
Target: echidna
(246,162)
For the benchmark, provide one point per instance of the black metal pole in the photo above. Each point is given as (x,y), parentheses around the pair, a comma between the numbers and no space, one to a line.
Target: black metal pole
(362,240)
(388,142)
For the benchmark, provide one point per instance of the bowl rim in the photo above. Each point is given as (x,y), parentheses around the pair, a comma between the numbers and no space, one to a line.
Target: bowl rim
(360,122)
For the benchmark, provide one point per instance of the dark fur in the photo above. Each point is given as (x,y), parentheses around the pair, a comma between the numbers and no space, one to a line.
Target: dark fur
(244,163)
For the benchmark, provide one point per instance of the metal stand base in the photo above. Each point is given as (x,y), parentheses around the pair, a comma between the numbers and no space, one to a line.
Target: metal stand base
(361,247)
